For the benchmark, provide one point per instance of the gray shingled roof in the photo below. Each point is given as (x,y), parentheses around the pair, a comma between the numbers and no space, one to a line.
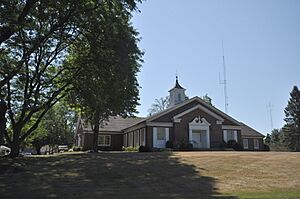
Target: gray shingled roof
(249,132)
(117,123)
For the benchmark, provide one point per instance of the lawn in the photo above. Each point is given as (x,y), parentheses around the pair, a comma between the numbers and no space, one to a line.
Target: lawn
(153,175)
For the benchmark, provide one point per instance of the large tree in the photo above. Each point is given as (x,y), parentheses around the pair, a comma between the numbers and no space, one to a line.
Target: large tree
(56,128)
(35,36)
(292,118)
(107,85)
(159,105)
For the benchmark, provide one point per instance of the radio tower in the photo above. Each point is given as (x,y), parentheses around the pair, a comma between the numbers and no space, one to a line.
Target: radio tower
(224,81)
(269,107)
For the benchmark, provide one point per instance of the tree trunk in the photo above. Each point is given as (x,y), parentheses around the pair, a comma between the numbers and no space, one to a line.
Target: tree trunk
(96,131)
(95,140)
(15,149)
(16,142)
(3,109)
(38,149)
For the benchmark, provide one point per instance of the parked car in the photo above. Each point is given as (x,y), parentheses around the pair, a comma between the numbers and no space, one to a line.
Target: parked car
(63,148)
(25,154)
(4,150)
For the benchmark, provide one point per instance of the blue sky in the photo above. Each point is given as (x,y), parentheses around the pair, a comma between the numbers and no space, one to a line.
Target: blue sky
(262,52)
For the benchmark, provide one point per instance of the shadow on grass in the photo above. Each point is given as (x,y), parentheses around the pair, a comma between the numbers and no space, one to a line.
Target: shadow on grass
(106,175)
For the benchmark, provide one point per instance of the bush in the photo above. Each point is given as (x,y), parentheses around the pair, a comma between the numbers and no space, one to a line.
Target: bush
(130,149)
(234,145)
(77,148)
(169,144)
(266,147)
(185,146)
(165,150)
(223,145)
(144,149)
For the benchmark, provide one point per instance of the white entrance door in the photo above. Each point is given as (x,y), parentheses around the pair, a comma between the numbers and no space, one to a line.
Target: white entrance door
(199,139)
(160,137)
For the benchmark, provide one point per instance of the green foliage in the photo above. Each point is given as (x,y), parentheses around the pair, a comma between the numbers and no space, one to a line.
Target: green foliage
(159,105)
(275,140)
(144,149)
(207,99)
(169,144)
(291,129)
(130,149)
(56,128)
(77,148)
(234,145)
(35,40)
(107,63)
(183,145)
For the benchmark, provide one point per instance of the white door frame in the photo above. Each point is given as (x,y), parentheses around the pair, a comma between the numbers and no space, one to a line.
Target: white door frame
(155,142)
(199,123)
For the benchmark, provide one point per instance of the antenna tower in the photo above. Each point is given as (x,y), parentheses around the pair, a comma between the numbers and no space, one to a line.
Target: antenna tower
(224,81)
(269,107)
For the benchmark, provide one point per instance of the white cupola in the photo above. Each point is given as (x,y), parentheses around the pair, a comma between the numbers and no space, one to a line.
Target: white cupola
(176,94)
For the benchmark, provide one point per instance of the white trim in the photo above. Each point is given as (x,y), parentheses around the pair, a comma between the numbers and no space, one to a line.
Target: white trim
(256,147)
(160,124)
(104,136)
(225,135)
(187,102)
(143,132)
(199,106)
(219,122)
(246,146)
(231,127)
(133,127)
(167,134)
(125,140)
(154,136)
(136,138)
(155,142)
(251,137)
(235,135)
(176,120)
(199,123)
(104,132)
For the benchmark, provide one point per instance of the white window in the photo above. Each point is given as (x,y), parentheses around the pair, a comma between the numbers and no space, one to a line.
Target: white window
(256,144)
(179,97)
(136,138)
(125,140)
(104,140)
(230,135)
(130,139)
(161,134)
(245,143)
(142,137)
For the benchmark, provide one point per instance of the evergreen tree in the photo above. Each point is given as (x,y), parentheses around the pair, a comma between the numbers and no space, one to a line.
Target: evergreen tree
(291,130)
(268,140)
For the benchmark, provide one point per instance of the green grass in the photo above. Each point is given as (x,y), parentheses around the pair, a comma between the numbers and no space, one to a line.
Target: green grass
(152,175)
